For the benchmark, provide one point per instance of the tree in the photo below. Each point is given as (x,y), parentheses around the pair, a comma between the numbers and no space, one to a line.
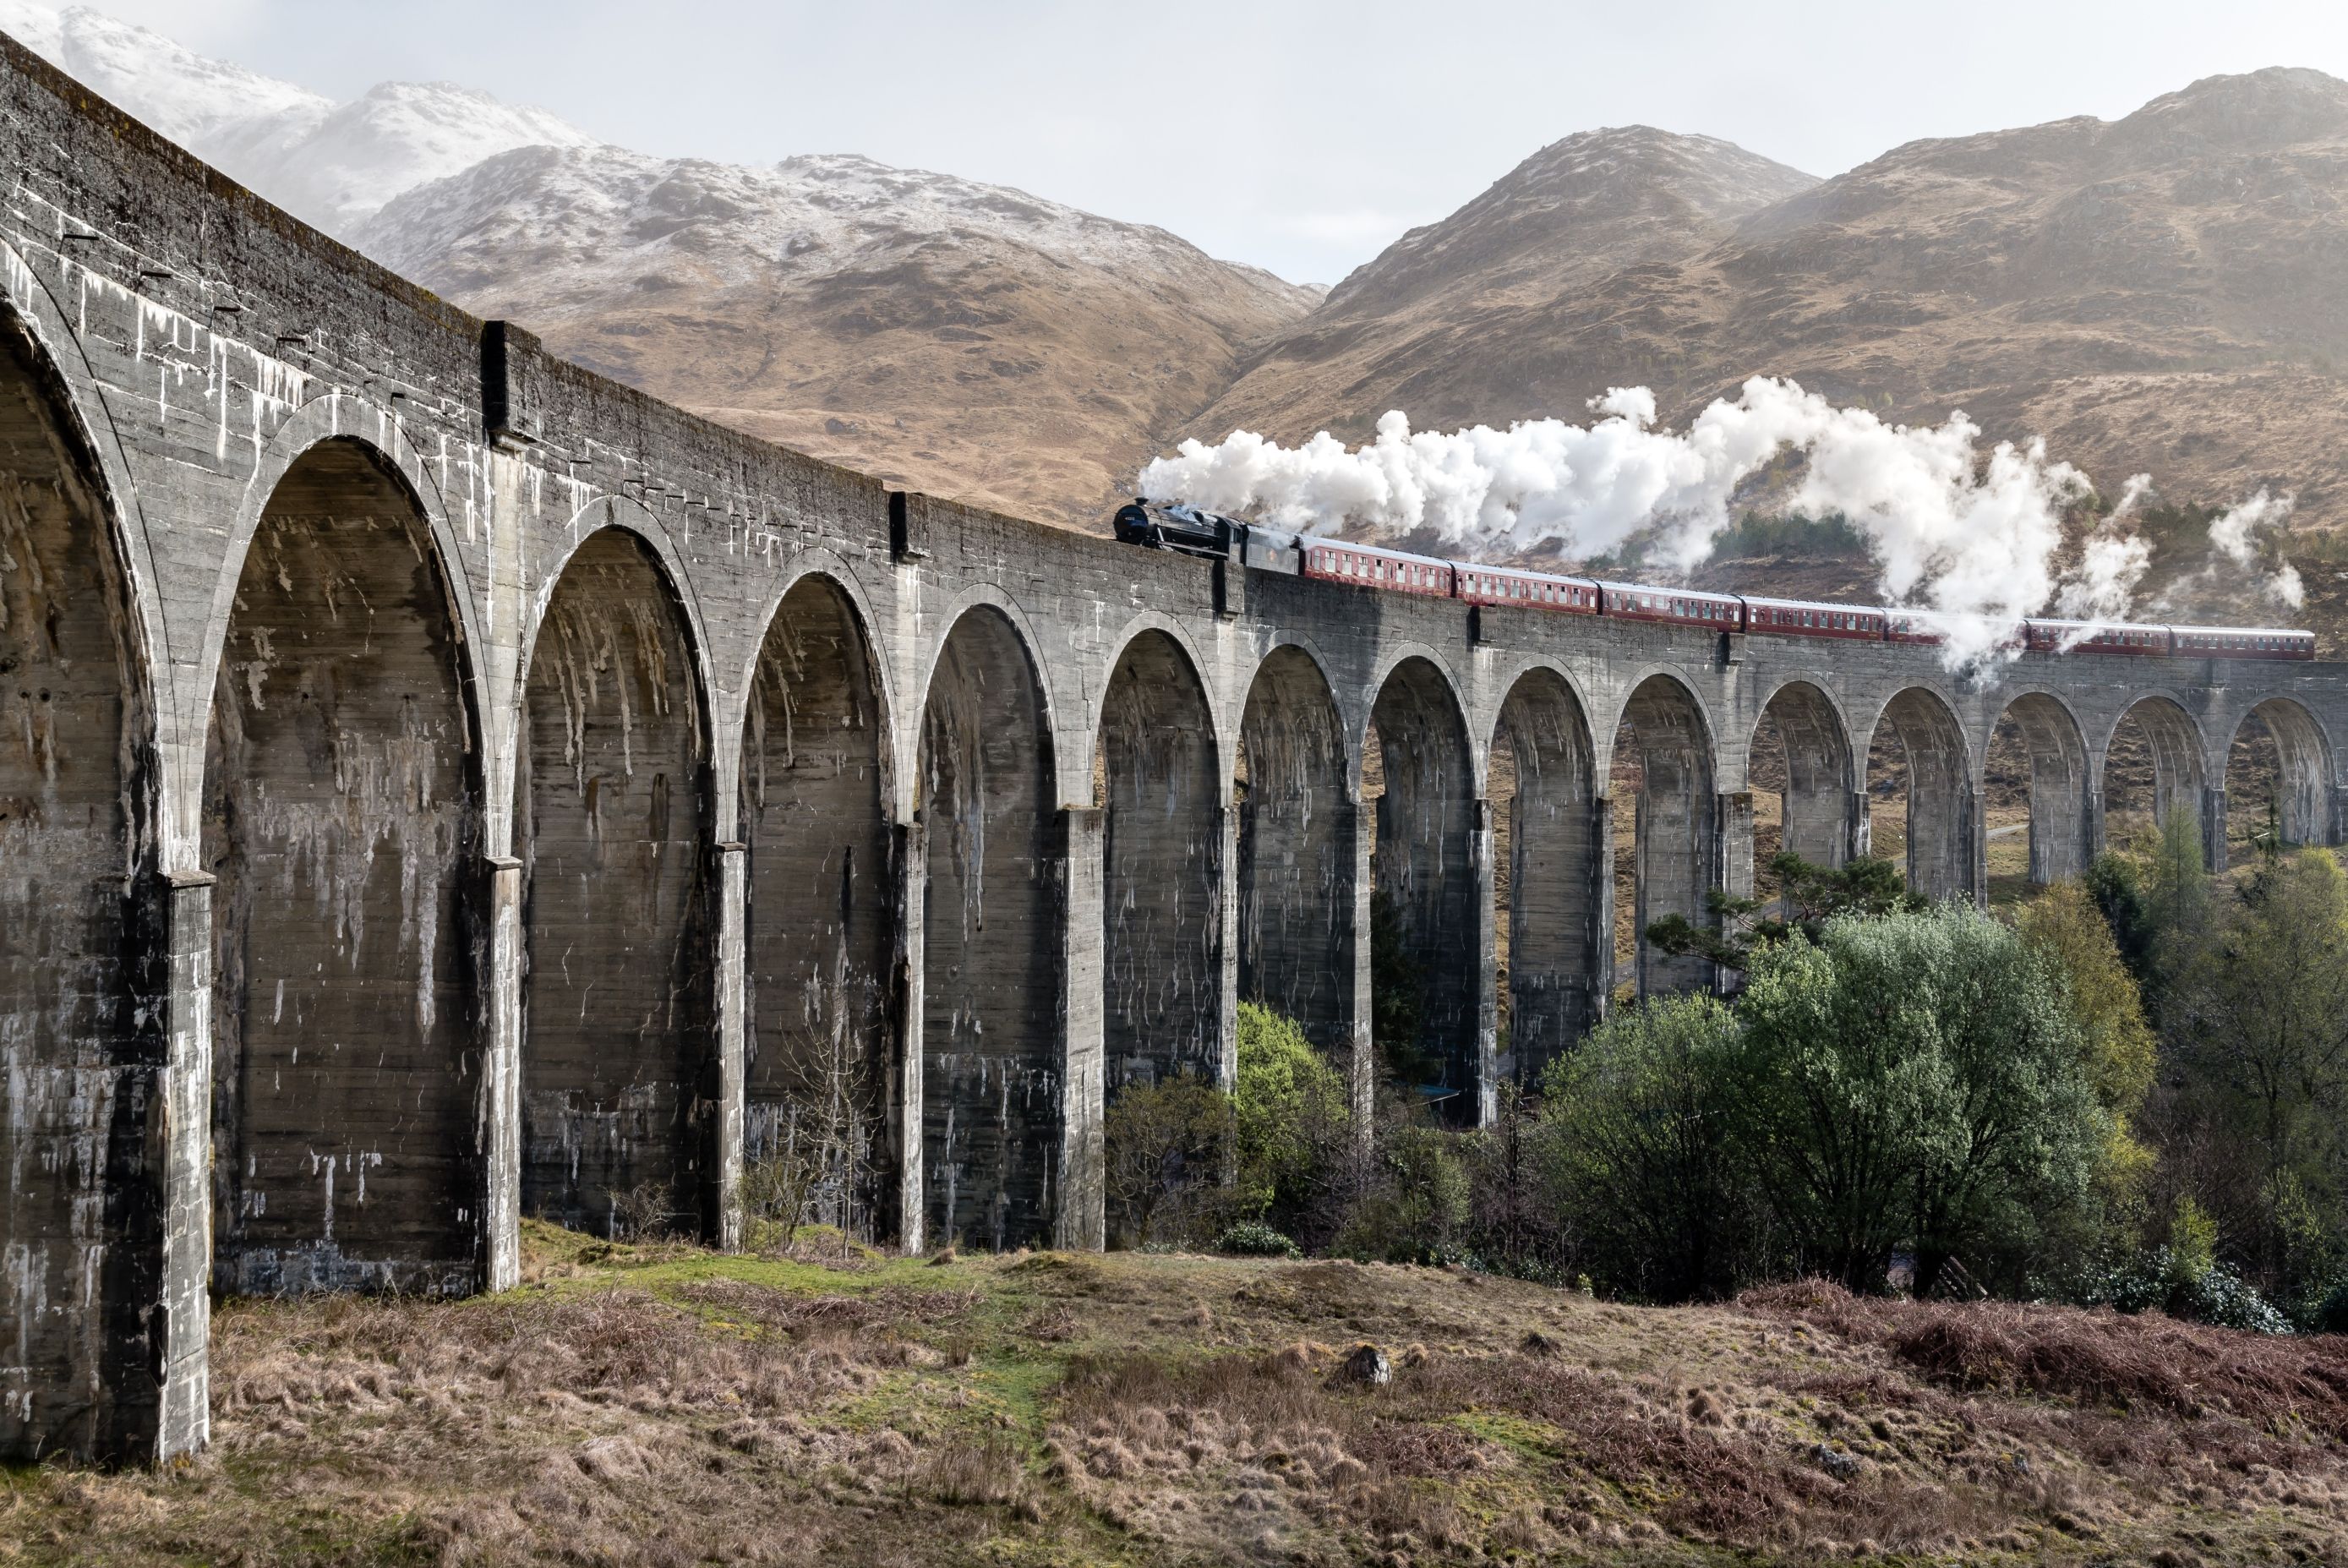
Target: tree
(2067,928)
(1809,896)
(1634,1149)
(1912,1078)
(1293,1114)
(2259,1012)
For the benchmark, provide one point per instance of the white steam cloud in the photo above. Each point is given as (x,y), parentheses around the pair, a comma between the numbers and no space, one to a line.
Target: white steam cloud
(2233,534)
(1974,535)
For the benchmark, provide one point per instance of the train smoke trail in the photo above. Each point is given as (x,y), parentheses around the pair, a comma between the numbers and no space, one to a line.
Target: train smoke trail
(1977,534)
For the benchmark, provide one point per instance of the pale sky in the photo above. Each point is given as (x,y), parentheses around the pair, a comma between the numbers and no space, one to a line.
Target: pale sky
(1299,137)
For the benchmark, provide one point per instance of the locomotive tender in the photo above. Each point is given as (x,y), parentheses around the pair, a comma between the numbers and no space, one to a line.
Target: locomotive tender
(1194,531)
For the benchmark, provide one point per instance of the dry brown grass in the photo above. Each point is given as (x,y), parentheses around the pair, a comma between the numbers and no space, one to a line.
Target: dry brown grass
(662,1405)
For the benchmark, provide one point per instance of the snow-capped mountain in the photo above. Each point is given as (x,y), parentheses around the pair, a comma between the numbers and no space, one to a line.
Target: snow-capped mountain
(970,339)
(329,165)
(967,338)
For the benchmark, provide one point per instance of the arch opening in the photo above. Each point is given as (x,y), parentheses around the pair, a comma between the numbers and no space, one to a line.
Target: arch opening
(991,1037)
(820,1067)
(76,841)
(1547,893)
(2278,780)
(2152,768)
(619,1073)
(1920,796)
(1296,895)
(343,819)
(1799,770)
(1424,873)
(2037,810)
(1667,807)
(1157,782)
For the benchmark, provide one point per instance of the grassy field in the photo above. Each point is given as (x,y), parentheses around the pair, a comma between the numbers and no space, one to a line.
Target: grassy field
(671,1404)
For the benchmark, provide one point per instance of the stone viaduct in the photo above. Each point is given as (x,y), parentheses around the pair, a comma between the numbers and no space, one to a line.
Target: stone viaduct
(438,785)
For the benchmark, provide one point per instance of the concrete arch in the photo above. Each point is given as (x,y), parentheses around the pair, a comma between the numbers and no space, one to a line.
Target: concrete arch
(1820,787)
(616,807)
(816,561)
(1161,785)
(623,515)
(1942,837)
(79,1085)
(2178,753)
(1072,785)
(1297,863)
(62,365)
(320,421)
(1676,850)
(2064,819)
(1940,801)
(1542,784)
(815,785)
(1390,659)
(994,1072)
(1143,624)
(1428,873)
(342,819)
(2304,789)
(1606,727)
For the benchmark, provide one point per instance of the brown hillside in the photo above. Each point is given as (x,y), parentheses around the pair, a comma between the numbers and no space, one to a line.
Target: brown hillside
(964,339)
(2164,293)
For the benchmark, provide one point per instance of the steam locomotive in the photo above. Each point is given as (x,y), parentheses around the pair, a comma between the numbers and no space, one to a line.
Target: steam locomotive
(1194,531)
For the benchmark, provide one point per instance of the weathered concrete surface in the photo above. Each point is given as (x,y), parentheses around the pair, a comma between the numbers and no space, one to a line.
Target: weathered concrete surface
(342,821)
(619,1060)
(658,771)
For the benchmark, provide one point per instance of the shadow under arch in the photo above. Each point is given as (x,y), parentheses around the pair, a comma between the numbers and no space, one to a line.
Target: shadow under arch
(80,930)
(1296,836)
(1159,783)
(1937,765)
(2062,800)
(342,819)
(819,1049)
(993,1060)
(2156,753)
(1429,916)
(1675,825)
(1800,750)
(2279,777)
(615,800)
(1548,874)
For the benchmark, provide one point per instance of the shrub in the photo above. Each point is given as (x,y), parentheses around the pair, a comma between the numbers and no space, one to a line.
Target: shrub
(1633,1148)
(1292,1119)
(2194,1290)
(1414,1204)
(1254,1239)
(1167,1147)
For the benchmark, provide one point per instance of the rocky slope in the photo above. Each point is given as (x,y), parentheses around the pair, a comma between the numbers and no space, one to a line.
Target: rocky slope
(2162,292)
(963,338)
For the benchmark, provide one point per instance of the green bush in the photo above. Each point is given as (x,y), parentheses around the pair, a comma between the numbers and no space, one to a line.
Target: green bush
(1634,1151)
(2162,1280)
(1254,1239)
(1293,1120)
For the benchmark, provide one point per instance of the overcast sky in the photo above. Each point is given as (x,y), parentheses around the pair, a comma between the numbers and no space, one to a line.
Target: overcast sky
(1301,137)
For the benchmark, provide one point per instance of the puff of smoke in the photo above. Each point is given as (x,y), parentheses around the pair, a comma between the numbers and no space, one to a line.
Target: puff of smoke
(2231,535)
(1971,535)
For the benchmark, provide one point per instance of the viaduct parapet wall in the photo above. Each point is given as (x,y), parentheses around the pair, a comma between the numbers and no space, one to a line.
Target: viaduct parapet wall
(438,785)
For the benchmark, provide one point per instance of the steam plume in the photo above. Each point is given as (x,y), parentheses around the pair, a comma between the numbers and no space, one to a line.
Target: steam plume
(1971,534)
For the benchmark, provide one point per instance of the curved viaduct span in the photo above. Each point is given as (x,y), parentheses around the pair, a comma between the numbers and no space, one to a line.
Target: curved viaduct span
(438,785)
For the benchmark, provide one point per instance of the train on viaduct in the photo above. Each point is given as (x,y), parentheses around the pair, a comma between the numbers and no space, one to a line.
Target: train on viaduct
(439,785)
